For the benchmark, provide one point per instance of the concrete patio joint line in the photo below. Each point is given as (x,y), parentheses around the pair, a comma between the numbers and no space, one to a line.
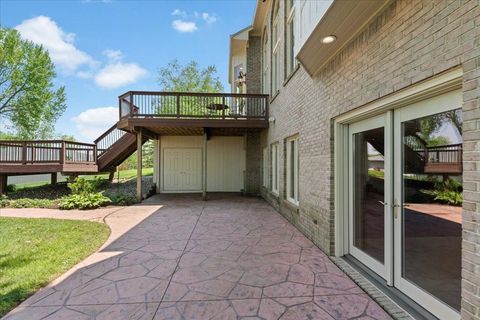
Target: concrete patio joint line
(178,260)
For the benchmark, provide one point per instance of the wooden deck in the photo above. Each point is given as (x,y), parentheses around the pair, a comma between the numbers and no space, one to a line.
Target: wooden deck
(180,113)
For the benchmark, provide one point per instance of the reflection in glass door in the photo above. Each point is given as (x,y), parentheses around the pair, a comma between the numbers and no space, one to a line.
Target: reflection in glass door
(369,194)
(428,195)
(369,168)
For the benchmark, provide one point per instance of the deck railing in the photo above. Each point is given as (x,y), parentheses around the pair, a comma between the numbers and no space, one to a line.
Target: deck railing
(107,139)
(227,106)
(47,152)
(451,153)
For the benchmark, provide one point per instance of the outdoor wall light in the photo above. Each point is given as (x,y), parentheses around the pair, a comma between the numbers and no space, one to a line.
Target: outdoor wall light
(329,39)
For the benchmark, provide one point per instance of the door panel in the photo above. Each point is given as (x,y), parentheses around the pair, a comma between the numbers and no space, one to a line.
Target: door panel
(182,169)
(369,175)
(172,169)
(428,182)
(226,164)
(192,179)
(369,192)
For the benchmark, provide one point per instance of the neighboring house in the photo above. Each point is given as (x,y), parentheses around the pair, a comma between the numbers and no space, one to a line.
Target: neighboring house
(357,120)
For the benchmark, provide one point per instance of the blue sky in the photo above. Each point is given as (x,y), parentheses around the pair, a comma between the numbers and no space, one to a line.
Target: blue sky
(102,48)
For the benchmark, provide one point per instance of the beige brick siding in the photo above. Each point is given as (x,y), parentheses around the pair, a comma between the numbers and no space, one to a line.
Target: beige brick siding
(254,65)
(408,42)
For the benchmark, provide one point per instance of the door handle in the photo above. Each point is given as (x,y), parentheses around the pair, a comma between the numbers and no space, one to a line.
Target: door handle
(396,207)
(383,203)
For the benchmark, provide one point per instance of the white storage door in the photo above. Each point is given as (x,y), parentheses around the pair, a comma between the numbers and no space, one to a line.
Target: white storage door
(225,164)
(182,169)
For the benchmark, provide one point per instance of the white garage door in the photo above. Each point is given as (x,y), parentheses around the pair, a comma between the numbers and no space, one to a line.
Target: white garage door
(182,169)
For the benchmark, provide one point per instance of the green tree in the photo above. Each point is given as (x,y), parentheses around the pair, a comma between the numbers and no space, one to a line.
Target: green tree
(28,99)
(189,78)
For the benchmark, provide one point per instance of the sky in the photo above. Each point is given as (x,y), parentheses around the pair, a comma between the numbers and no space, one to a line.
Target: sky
(102,48)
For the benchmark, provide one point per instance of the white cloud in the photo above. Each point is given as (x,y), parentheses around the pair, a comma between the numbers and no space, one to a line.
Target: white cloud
(178,12)
(113,55)
(118,74)
(184,26)
(60,45)
(209,18)
(91,123)
(85,74)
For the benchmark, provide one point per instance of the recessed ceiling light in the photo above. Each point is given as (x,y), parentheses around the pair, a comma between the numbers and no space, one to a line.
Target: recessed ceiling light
(329,39)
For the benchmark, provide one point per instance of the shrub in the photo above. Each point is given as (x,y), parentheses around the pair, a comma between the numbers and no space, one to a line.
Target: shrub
(448,191)
(450,197)
(123,200)
(4,201)
(83,186)
(26,203)
(84,201)
(32,203)
(11,188)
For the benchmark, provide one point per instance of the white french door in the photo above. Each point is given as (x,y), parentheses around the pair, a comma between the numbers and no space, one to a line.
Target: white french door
(404,213)
(427,233)
(369,195)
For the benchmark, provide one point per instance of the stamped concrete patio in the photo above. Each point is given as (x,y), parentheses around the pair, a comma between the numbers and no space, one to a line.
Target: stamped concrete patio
(228,258)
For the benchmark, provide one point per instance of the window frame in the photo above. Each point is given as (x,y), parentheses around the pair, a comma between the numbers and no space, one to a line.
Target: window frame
(275,57)
(292,172)
(275,168)
(265,167)
(265,63)
(290,61)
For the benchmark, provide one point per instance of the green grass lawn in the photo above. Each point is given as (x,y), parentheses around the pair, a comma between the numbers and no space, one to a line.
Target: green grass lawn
(34,252)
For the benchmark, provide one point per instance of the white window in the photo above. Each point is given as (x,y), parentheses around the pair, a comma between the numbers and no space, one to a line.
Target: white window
(275,49)
(265,167)
(292,170)
(275,168)
(290,37)
(265,63)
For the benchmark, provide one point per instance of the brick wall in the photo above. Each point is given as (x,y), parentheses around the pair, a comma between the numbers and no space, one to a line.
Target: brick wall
(254,75)
(408,42)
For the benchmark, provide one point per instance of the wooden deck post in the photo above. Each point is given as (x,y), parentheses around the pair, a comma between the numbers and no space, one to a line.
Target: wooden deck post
(3,184)
(139,165)
(53,178)
(204,163)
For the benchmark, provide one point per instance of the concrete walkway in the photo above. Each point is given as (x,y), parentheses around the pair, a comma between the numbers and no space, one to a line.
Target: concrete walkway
(91,215)
(228,258)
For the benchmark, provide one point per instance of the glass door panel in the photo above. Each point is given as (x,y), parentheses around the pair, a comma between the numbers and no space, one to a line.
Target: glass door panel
(432,197)
(369,177)
(369,192)
(428,203)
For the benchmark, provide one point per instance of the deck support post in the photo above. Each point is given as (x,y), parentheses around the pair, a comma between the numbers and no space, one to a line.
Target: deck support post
(3,184)
(139,165)
(53,178)
(204,163)
(111,175)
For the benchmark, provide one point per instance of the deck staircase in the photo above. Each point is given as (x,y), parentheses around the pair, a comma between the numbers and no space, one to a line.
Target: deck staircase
(113,147)
(20,157)
(419,158)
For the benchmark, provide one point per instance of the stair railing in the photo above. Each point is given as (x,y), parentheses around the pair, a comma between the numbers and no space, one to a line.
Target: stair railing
(108,139)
